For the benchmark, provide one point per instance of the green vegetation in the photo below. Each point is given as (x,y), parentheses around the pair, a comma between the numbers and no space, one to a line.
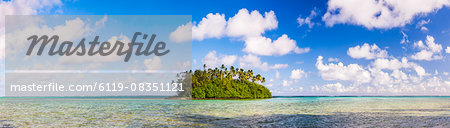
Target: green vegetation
(224,83)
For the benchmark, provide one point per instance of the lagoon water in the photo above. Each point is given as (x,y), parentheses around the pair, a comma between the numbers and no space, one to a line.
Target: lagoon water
(274,112)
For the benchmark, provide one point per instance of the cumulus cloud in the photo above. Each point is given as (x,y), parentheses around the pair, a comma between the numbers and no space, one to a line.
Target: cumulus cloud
(383,76)
(307,20)
(212,26)
(447,50)
(248,27)
(246,24)
(382,14)
(242,25)
(352,72)
(429,51)
(252,62)
(260,45)
(395,64)
(247,61)
(391,64)
(367,52)
(228,59)
(298,74)
(396,83)
(182,34)
(212,60)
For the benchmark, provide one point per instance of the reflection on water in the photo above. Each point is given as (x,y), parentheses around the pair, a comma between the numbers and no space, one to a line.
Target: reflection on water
(285,112)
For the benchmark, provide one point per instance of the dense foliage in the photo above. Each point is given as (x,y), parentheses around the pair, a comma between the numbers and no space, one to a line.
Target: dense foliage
(224,83)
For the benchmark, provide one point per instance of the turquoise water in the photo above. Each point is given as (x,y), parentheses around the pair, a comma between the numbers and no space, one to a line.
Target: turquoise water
(275,112)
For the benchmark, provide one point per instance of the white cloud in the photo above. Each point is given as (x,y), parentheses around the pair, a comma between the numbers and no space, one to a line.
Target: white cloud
(301,50)
(228,60)
(211,59)
(352,72)
(249,27)
(307,20)
(421,24)
(213,26)
(182,34)
(382,14)
(279,66)
(404,38)
(153,64)
(380,77)
(260,45)
(398,74)
(391,85)
(395,64)
(252,61)
(246,24)
(392,64)
(333,59)
(298,74)
(384,76)
(423,28)
(367,52)
(247,61)
(420,71)
(101,22)
(445,73)
(447,50)
(242,25)
(429,51)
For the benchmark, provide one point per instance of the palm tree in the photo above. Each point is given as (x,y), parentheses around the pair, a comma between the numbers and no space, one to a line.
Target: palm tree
(233,71)
(258,78)
(249,74)
(222,67)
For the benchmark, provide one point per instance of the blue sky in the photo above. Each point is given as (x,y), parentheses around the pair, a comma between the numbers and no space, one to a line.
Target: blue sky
(390,63)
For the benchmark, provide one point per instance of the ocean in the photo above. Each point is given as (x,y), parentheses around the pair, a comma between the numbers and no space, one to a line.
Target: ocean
(274,112)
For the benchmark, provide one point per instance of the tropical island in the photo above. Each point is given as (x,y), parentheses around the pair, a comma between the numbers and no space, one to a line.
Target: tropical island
(223,83)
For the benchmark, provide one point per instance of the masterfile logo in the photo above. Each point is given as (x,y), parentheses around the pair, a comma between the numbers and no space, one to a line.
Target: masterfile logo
(106,48)
(71,42)
(96,55)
